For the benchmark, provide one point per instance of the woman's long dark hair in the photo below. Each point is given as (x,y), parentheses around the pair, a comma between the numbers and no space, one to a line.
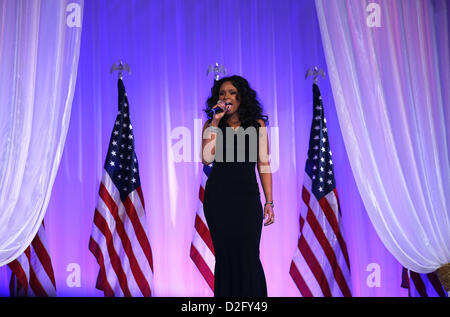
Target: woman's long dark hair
(250,108)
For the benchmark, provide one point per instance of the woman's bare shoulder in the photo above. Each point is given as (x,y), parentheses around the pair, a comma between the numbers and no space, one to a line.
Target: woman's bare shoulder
(261,122)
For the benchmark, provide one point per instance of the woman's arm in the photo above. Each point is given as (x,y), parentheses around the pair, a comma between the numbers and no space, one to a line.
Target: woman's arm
(208,143)
(265,173)
(209,136)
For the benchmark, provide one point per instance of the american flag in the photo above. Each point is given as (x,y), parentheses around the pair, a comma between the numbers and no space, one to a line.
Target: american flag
(202,250)
(119,237)
(422,285)
(320,266)
(32,272)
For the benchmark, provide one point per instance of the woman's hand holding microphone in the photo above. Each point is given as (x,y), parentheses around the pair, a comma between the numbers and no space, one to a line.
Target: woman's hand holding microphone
(221,110)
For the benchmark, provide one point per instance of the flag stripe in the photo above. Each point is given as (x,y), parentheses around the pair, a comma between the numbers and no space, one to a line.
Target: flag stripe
(142,249)
(141,196)
(97,251)
(423,285)
(12,285)
(101,224)
(338,205)
(324,241)
(44,258)
(418,283)
(204,233)
(135,268)
(325,203)
(32,272)
(314,266)
(330,255)
(302,223)
(436,284)
(43,279)
(202,266)
(139,230)
(18,271)
(205,252)
(325,244)
(110,272)
(201,194)
(117,244)
(299,281)
(307,275)
(330,215)
(35,285)
(311,204)
(320,255)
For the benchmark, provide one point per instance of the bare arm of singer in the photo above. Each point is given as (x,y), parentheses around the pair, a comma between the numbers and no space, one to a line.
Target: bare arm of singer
(208,143)
(265,173)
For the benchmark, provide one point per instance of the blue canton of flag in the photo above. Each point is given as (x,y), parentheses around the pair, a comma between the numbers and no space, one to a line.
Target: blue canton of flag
(207,169)
(121,161)
(319,165)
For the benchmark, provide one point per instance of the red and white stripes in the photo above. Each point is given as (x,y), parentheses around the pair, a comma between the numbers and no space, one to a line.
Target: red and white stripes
(120,244)
(320,266)
(32,272)
(422,285)
(202,250)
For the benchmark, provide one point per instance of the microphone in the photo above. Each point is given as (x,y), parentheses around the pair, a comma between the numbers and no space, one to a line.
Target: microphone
(219,109)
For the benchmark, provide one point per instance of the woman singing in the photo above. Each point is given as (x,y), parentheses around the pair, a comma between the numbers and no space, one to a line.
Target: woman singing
(235,139)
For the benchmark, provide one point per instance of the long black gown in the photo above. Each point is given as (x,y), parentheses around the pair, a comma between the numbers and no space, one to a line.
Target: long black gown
(234,215)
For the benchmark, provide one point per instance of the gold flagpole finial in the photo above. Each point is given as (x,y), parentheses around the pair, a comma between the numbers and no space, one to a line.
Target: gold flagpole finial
(315,73)
(217,69)
(121,67)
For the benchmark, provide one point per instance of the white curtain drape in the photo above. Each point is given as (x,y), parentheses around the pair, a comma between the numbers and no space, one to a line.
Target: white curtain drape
(39,50)
(388,65)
